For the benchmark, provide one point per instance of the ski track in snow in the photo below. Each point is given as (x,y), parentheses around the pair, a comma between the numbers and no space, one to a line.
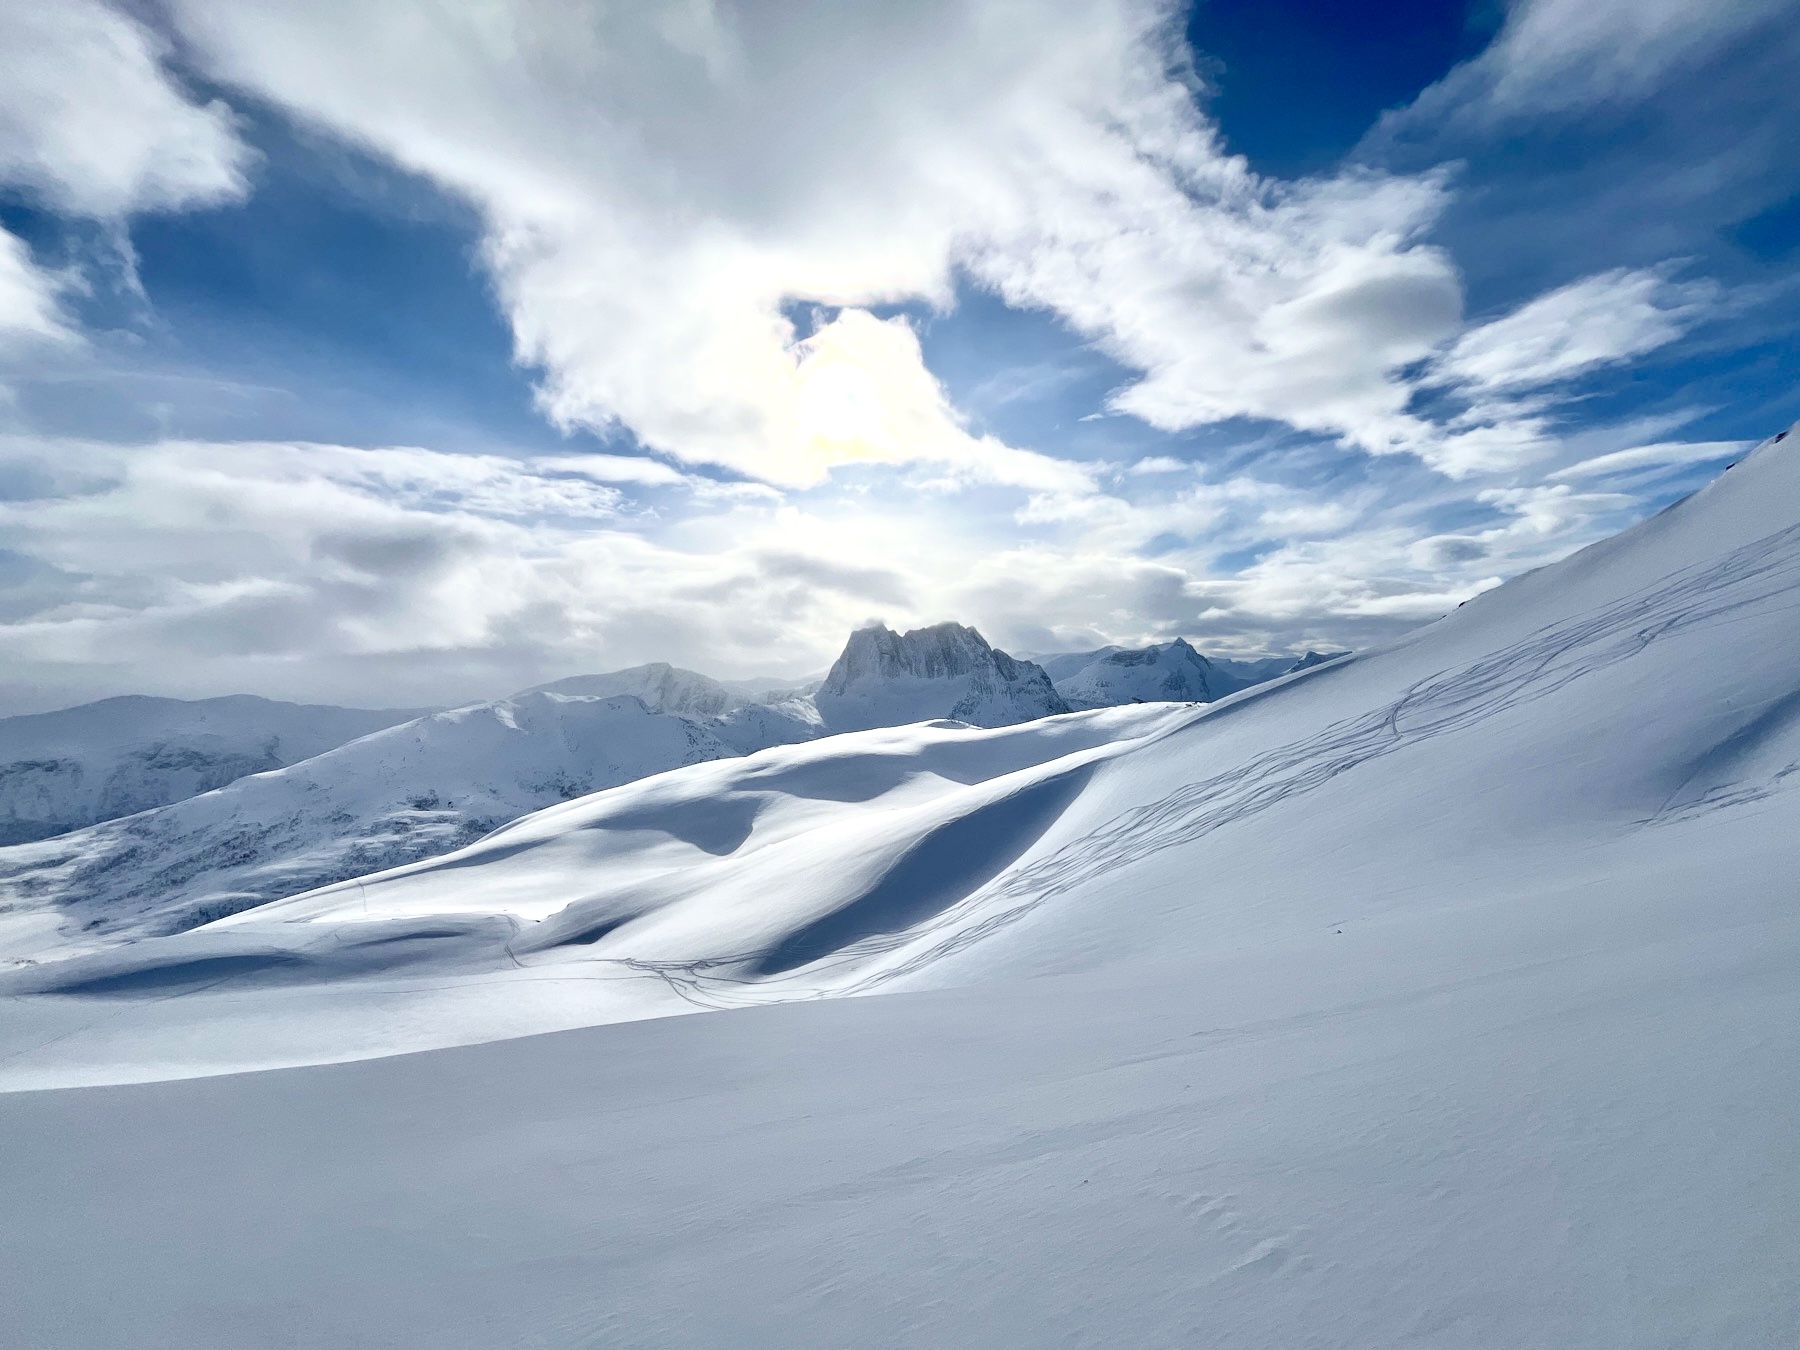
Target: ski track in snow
(1695,598)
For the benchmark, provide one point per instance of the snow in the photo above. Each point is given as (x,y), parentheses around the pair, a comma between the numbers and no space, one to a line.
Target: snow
(1437,995)
(62,770)
(406,792)
(423,788)
(1171,672)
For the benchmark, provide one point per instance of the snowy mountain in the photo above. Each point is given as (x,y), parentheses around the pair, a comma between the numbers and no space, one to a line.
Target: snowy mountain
(1225,674)
(406,792)
(885,679)
(659,686)
(1312,659)
(1061,665)
(744,719)
(1170,672)
(62,770)
(1441,994)
(431,785)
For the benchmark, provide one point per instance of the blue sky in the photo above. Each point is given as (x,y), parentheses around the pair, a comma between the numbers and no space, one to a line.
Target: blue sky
(396,354)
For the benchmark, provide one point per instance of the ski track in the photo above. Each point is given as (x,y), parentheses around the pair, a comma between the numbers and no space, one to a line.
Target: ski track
(1694,598)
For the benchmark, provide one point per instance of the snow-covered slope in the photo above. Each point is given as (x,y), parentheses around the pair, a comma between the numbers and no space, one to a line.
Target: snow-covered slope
(421,789)
(62,770)
(406,792)
(886,679)
(1169,672)
(1581,725)
(1442,995)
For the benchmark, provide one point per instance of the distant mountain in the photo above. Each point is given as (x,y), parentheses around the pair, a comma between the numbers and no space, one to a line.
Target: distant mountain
(884,678)
(62,770)
(1061,665)
(743,719)
(219,842)
(403,793)
(1253,670)
(1312,659)
(1172,672)
(1098,678)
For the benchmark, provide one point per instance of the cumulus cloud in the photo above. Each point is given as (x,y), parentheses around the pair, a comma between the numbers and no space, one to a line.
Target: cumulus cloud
(663,184)
(92,122)
(710,225)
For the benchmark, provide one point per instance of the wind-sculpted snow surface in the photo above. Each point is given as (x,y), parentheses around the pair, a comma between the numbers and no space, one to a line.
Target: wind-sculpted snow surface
(1439,995)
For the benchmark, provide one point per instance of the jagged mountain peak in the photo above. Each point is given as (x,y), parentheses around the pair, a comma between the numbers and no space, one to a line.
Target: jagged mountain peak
(944,670)
(934,652)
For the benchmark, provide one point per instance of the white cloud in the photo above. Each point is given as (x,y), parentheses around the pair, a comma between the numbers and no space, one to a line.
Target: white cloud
(31,309)
(1557,57)
(1152,464)
(663,182)
(1662,454)
(408,575)
(612,469)
(1598,321)
(92,122)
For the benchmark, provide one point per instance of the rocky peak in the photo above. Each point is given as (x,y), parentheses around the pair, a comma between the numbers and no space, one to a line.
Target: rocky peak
(946,670)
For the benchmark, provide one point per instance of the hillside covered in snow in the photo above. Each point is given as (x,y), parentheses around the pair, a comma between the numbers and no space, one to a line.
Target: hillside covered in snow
(1440,994)
(436,782)
(62,770)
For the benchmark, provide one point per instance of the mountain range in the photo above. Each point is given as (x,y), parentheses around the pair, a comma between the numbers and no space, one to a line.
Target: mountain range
(62,770)
(279,799)
(1440,994)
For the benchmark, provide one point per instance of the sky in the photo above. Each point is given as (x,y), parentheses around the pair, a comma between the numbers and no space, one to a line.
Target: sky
(410,354)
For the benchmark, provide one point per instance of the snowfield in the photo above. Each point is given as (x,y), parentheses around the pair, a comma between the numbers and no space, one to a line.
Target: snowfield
(1442,995)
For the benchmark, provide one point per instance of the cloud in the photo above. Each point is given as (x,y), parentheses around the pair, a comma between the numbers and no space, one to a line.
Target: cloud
(1662,454)
(664,184)
(1598,321)
(331,572)
(1606,133)
(31,306)
(1152,464)
(612,468)
(1561,56)
(406,575)
(92,122)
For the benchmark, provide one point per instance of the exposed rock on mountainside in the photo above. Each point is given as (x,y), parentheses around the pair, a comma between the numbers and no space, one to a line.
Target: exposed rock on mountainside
(884,678)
